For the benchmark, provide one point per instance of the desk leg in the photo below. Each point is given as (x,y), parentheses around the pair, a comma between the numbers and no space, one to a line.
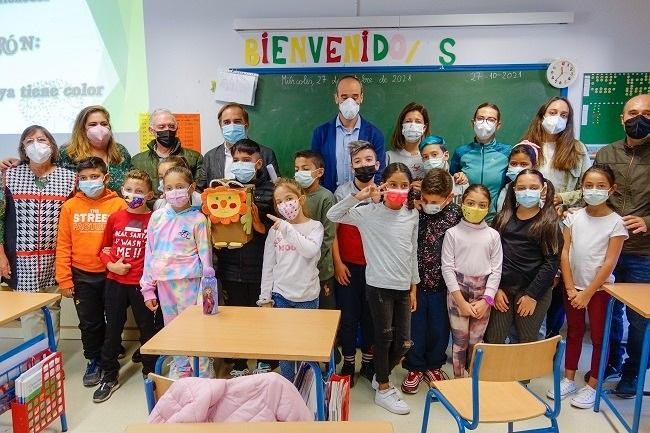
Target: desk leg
(50,329)
(640,383)
(603,353)
(159,364)
(195,365)
(320,394)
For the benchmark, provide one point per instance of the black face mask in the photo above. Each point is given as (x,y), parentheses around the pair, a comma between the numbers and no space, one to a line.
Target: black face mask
(365,174)
(166,138)
(637,127)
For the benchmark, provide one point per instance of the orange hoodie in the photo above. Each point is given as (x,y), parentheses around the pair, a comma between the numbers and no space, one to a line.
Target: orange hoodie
(81,232)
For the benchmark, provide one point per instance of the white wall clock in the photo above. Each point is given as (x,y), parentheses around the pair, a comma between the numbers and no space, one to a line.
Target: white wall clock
(561,73)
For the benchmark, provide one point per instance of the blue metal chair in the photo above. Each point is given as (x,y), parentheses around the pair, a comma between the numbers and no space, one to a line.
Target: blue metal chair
(154,387)
(494,393)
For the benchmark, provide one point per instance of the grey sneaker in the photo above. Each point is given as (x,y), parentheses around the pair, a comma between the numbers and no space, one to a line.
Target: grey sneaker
(93,373)
(105,390)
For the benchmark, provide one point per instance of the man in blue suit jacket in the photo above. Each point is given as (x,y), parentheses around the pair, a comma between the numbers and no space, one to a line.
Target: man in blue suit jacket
(332,138)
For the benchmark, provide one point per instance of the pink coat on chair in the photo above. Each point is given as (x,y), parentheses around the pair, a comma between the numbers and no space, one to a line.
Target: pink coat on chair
(261,397)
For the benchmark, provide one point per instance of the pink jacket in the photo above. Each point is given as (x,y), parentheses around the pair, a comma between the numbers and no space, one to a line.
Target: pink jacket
(261,397)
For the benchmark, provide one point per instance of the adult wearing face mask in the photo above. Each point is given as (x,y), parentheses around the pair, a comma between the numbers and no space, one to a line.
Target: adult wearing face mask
(412,126)
(217,163)
(562,159)
(332,138)
(34,192)
(485,160)
(91,136)
(630,160)
(163,126)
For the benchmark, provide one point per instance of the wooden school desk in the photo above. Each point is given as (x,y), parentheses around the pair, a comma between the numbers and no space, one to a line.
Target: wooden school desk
(637,297)
(16,304)
(266,427)
(251,333)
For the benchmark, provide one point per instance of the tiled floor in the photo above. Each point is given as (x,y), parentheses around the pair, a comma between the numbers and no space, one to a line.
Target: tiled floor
(127,405)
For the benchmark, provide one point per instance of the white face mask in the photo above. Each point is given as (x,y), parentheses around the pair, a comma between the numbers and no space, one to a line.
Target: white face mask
(432,163)
(554,124)
(38,152)
(349,108)
(412,131)
(484,129)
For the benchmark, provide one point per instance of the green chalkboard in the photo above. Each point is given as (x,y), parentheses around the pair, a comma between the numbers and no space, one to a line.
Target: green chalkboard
(289,105)
(603,98)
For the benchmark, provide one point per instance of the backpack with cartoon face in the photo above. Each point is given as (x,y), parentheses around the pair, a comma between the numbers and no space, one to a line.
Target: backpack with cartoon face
(228,205)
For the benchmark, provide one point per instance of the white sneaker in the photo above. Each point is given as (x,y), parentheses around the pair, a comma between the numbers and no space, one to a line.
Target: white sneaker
(374,383)
(239,373)
(585,398)
(566,387)
(391,401)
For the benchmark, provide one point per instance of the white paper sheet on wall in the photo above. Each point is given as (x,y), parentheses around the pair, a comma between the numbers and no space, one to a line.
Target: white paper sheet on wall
(235,86)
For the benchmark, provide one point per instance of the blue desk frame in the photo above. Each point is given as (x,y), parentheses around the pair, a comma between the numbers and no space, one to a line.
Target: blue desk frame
(603,394)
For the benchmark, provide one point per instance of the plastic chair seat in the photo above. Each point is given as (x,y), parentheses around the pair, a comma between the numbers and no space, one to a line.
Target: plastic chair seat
(500,401)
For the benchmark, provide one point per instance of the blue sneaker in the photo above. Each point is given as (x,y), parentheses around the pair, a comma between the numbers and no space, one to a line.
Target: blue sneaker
(93,373)
(626,387)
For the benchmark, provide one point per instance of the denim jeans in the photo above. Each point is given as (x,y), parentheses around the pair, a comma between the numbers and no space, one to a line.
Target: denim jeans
(391,316)
(288,368)
(555,315)
(429,332)
(352,302)
(632,269)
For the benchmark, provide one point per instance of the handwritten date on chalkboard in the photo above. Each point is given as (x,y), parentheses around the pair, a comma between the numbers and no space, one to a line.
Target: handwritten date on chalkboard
(495,75)
(324,80)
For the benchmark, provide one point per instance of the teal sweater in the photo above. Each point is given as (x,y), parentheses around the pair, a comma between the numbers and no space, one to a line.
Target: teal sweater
(485,164)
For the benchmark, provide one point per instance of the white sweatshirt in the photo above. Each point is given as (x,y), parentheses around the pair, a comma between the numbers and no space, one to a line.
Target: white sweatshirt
(291,255)
(390,241)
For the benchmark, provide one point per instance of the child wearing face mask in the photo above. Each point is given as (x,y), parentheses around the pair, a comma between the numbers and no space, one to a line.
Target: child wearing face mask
(471,267)
(522,156)
(483,161)
(389,232)
(310,168)
(430,321)
(531,240)
(593,240)
(163,166)
(177,257)
(350,269)
(80,273)
(412,125)
(123,250)
(436,155)
(291,255)
(240,269)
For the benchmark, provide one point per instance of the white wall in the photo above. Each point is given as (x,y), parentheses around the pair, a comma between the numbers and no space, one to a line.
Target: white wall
(186,45)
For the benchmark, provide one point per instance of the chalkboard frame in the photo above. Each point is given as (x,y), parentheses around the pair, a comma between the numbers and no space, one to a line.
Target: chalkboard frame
(399,69)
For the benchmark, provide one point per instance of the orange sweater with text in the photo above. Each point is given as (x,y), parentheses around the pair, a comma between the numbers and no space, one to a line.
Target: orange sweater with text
(81,232)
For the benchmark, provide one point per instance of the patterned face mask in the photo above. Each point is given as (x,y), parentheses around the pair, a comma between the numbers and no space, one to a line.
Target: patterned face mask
(133,200)
(289,209)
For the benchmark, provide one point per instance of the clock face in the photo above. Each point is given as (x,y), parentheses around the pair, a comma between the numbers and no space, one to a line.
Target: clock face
(561,73)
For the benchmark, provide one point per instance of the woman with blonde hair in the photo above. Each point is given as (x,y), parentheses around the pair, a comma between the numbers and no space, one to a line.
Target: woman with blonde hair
(92,136)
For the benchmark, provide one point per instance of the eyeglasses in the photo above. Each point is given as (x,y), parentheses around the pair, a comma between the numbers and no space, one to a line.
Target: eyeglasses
(41,140)
(484,119)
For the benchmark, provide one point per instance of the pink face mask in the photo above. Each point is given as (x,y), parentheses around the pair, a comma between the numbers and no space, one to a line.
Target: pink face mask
(177,197)
(396,197)
(98,135)
(289,209)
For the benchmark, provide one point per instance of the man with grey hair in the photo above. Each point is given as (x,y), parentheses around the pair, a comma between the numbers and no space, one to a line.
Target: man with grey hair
(163,126)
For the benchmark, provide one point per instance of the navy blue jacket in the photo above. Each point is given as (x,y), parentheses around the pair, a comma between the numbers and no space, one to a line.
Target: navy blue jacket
(323,140)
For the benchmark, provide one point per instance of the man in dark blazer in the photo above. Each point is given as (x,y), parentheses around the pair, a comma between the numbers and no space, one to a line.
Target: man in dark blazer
(332,138)
(233,120)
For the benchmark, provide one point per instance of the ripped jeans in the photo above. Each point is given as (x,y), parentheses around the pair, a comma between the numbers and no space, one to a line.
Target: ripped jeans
(391,318)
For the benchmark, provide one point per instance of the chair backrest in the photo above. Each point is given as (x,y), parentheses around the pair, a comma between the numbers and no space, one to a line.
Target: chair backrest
(160,385)
(516,362)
